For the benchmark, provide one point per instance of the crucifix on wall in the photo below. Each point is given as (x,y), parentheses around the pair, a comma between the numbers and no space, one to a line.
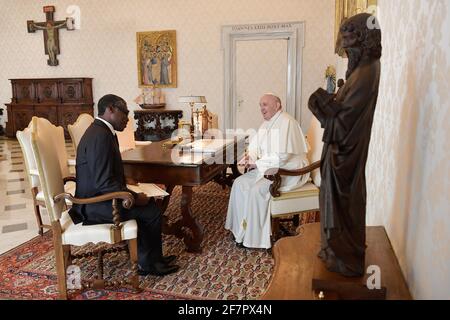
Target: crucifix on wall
(51,36)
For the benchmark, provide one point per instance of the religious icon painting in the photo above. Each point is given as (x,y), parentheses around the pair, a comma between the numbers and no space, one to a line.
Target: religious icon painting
(157,59)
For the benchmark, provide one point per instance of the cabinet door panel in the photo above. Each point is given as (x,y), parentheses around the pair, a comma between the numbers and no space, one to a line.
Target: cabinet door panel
(22,117)
(47,112)
(47,91)
(71,91)
(23,91)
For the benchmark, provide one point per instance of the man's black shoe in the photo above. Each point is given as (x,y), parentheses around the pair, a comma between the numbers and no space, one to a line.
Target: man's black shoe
(159,269)
(169,259)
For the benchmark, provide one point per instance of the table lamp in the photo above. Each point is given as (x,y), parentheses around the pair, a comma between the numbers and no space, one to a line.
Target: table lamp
(192,100)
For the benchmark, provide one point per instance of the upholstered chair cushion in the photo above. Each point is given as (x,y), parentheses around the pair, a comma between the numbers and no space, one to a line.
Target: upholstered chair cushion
(303,199)
(79,235)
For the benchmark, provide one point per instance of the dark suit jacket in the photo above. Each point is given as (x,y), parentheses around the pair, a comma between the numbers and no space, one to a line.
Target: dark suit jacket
(99,170)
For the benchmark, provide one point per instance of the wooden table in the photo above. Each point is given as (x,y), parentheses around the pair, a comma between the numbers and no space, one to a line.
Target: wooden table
(296,264)
(154,164)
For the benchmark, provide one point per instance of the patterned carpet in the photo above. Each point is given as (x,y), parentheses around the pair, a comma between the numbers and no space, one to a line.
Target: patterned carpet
(222,271)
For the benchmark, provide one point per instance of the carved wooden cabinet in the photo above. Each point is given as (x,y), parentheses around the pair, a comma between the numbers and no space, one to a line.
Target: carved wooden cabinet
(157,124)
(60,100)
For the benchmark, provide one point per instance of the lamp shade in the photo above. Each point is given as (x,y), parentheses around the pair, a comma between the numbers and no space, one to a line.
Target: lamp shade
(192,99)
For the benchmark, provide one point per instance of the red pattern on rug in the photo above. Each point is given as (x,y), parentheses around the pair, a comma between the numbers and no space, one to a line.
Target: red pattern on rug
(222,271)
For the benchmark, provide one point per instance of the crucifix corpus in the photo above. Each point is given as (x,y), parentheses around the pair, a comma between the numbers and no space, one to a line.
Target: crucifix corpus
(51,37)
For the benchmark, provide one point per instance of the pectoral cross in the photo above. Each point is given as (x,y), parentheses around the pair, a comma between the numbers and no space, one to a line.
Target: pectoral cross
(51,36)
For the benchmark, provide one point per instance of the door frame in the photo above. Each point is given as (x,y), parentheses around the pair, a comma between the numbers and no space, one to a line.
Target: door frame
(293,32)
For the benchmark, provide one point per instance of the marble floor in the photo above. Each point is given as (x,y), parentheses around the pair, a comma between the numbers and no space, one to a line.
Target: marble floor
(17,218)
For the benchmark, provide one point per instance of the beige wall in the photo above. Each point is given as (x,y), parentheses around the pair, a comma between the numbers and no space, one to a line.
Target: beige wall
(408,167)
(105,47)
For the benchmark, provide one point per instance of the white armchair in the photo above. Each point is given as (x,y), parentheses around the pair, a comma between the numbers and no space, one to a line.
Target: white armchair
(24,138)
(65,232)
(304,199)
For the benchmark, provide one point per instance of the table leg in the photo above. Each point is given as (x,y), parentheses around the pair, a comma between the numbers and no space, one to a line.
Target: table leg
(194,238)
(186,227)
(225,179)
(165,202)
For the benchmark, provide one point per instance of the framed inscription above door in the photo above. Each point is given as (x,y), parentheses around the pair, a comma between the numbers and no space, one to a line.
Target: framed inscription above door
(293,42)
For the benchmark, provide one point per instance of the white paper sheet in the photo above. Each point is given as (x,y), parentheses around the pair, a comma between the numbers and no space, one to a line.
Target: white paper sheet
(150,189)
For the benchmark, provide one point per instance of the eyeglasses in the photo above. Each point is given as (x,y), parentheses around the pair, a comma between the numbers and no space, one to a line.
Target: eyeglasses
(122,109)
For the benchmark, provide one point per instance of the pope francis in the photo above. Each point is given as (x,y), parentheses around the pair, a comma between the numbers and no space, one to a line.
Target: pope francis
(279,143)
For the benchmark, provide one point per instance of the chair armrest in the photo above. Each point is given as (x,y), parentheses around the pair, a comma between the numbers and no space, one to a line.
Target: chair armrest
(275,176)
(127,197)
(70,178)
(128,202)
(72,162)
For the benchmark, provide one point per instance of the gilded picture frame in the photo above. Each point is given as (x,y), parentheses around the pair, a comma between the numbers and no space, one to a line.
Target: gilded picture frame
(157,59)
(348,8)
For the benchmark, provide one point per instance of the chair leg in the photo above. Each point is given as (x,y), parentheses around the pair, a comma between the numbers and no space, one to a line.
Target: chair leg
(296,220)
(317,216)
(275,229)
(132,249)
(61,270)
(37,212)
(100,265)
(67,255)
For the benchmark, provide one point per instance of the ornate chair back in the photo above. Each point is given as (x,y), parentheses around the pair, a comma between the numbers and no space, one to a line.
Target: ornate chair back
(78,129)
(126,137)
(44,138)
(24,138)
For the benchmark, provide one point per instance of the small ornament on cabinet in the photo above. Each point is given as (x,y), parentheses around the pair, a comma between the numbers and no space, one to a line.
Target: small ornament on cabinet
(151,98)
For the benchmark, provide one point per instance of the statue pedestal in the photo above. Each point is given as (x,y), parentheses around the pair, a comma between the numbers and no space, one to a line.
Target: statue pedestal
(297,265)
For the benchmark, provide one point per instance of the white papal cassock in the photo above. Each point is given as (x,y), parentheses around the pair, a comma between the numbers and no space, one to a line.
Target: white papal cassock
(279,143)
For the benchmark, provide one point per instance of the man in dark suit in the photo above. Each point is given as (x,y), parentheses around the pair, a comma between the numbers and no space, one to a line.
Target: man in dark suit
(99,171)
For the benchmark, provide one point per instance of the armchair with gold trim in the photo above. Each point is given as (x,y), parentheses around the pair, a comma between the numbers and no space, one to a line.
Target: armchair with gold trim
(284,205)
(65,233)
